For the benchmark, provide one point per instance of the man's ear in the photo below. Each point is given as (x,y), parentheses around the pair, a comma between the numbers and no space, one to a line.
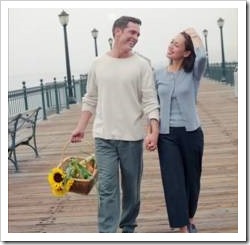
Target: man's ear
(117,31)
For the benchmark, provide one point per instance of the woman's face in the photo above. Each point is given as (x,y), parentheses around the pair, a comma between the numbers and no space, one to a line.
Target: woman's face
(176,49)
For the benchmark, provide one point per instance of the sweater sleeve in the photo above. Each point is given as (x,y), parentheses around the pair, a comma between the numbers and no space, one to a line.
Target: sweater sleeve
(149,95)
(200,63)
(89,101)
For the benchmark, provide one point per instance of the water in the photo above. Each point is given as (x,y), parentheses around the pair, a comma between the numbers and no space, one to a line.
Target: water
(32,80)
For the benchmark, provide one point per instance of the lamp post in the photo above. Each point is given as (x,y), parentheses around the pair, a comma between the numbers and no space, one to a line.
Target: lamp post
(110,40)
(205,33)
(64,19)
(94,33)
(220,23)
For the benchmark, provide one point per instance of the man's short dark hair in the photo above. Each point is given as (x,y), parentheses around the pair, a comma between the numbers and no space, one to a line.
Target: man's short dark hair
(123,21)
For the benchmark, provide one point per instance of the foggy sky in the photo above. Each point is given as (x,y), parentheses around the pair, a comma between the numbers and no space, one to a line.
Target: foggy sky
(36,41)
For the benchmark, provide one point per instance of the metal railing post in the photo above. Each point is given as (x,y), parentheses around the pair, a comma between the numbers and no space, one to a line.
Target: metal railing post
(66,93)
(83,80)
(43,100)
(48,99)
(56,96)
(25,96)
(81,86)
(74,86)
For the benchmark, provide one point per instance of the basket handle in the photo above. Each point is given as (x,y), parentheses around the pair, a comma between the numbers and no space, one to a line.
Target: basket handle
(65,148)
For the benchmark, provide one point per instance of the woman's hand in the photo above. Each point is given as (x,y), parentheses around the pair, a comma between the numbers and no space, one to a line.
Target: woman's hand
(191,32)
(197,42)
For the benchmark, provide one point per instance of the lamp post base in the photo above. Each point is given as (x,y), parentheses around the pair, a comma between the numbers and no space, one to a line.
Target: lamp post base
(72,100)
(223,80)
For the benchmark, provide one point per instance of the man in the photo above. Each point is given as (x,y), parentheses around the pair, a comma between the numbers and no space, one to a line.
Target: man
(120,89)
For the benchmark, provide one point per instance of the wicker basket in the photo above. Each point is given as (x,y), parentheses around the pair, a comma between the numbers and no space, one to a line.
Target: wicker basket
(81,186)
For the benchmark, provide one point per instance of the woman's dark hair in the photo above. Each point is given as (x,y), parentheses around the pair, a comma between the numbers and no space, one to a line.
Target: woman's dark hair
(188,62)
(123,21)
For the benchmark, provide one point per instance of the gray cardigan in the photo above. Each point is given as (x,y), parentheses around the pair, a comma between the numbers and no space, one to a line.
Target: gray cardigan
(186,89)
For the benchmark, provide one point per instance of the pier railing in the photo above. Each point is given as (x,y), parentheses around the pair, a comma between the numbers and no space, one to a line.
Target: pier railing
(52,96)
(215,71)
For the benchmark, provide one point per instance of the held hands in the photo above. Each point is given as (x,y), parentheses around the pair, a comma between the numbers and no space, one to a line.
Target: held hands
(151,142)
(152,135)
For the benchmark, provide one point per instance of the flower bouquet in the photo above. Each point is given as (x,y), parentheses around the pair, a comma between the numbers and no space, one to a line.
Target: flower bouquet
(73,174)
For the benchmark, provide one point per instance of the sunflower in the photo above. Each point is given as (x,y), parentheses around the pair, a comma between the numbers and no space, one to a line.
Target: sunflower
(56,175)
(60,183)
(58,189)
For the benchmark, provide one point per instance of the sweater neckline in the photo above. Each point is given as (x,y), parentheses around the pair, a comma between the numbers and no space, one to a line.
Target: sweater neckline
(114,58)
(173,72)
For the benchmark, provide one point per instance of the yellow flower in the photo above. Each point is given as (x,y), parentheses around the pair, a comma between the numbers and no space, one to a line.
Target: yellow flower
(60,183)
(69,184)
(56,179)
(58,190)
(56,175)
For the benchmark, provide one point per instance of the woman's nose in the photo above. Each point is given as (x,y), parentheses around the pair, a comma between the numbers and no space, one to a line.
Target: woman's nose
(170,45)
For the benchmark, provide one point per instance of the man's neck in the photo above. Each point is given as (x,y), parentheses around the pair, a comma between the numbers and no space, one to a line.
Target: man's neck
(115,53)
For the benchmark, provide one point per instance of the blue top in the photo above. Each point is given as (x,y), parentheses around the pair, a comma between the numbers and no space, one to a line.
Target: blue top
(184,86)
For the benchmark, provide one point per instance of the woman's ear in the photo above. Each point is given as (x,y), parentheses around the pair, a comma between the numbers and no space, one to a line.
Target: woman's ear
(187,53)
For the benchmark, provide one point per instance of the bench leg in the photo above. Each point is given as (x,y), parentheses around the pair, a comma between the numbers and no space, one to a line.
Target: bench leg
(34,140)
(14,159)
(34,148)
(31,146)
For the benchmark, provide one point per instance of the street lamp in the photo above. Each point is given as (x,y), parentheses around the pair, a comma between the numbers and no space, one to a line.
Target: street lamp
(94,33)
(64,19)
(205,33)
(220,23)
(110,40)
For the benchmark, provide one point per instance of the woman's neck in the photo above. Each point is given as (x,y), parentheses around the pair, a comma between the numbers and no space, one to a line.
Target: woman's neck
(175,66)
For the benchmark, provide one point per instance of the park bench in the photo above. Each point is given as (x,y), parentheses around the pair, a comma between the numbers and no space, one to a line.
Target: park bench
(22,131)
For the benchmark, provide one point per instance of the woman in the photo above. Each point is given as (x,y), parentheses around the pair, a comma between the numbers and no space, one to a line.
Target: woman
(180,143)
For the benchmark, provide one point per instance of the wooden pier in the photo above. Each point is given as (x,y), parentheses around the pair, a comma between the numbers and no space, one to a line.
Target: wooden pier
(33,209)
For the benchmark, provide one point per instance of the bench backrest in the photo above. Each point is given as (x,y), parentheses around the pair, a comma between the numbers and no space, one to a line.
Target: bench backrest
(22,126)
(12,128)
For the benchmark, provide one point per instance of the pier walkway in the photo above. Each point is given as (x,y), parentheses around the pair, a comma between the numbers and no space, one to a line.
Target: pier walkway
(33,209)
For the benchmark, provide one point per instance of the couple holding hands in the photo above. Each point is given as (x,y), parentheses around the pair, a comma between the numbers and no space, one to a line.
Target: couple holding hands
(121,88)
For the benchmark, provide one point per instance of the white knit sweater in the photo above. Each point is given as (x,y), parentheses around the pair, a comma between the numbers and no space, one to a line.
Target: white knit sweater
(119,92)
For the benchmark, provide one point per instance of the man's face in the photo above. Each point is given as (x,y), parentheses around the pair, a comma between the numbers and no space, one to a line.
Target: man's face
(128,37)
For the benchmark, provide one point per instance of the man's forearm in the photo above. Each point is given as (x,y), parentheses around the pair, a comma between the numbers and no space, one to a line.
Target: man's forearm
(153,127)
(84,119)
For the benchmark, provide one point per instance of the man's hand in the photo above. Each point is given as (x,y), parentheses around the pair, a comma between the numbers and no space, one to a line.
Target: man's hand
(151,142)
(76,136)
(78,133)
(151,139)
